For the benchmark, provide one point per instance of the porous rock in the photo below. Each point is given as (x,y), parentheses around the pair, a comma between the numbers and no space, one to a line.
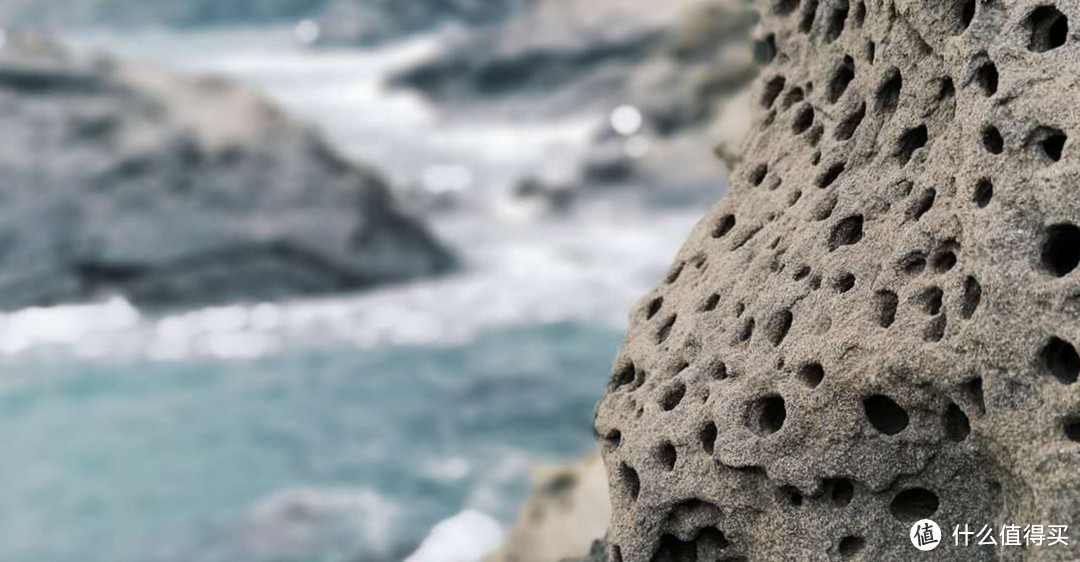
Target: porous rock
(878,323)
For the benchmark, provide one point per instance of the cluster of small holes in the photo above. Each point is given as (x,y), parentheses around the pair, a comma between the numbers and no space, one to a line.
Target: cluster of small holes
(946,286)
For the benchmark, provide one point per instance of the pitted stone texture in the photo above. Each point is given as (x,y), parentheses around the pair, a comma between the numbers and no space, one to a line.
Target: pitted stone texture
(877,324)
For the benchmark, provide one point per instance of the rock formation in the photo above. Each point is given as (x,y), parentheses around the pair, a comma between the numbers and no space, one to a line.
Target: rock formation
(878,323)
(175,191)
(566,512)
(678,62)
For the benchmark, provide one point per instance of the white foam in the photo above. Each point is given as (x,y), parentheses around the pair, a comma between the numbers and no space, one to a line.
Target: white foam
(465,537)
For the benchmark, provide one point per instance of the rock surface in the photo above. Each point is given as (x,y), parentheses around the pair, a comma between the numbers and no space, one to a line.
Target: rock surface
(172,191)
(878,323)
(567,511)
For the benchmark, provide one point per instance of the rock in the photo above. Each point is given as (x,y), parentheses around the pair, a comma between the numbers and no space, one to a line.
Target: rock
(567,511)
(877,325)
(676,63)
(367,22)
(176,192)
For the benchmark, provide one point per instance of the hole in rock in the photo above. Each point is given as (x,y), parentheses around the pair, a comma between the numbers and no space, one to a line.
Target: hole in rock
(675,272)
(888,94)
(987,78)
(992,141)
(935,329)
(944,261)
(931,300)
(885,303)
(973,392)
(984,192)
(850,546)
(1061,249)
(811,374)
(913,263)
(911,140)
(630,480)
(778,326)
(914,504)
(834,23)
(831,173)
(710,303)
(846,128)
(757,175)
(789,495)
(846,232)
(970,298)
(1061,361)
(1072,429)
(922,204)
(772,90)
(842,492)
(1052,143)
(794,96)
(844,283)
(767,415)
(666,456)
(965,14)
(672,396)
(654,307)
(613,439)
(957,426)
(804,117)
(808,16)
(860,14)
(724,226)
(665,329)
(623,376)
(801,273)
(885,414)
(708,437)
(842,76)
(1049,29)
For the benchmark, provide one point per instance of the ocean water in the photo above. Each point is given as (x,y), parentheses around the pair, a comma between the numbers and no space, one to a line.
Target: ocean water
(340,429)
(336,453)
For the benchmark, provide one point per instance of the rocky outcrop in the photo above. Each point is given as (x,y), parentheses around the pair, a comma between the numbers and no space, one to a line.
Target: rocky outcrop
(366,22)
(567,511)
(175,191)
(877,325)
(677,62)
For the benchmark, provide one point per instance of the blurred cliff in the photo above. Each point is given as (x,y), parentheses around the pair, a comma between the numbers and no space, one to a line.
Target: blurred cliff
(171,191)
(675,69)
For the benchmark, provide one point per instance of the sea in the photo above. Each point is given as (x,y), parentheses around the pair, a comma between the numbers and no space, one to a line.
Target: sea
(342,428)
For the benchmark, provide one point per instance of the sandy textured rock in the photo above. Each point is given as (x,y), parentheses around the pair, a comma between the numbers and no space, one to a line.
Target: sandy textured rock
(877,323)
(567,511)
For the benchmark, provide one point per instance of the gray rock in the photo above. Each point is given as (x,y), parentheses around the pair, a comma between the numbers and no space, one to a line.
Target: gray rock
(178,192)
(367,22)
(877,324)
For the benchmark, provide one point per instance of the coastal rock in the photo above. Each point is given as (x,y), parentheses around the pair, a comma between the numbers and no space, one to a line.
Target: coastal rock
(677,63)
(567,511)
(877,325)
(367,22)
(174,191)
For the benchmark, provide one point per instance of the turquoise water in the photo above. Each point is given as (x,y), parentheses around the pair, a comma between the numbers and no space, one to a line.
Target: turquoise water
(334,454)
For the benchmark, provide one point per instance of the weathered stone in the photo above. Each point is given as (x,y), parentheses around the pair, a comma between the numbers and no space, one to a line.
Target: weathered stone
(877,324)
